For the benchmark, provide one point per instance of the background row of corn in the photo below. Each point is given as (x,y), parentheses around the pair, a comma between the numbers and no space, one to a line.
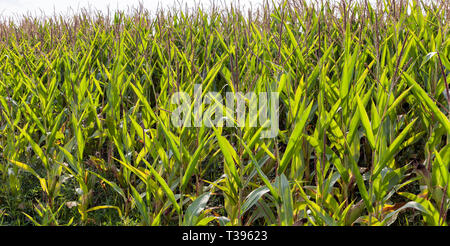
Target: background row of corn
(86,136)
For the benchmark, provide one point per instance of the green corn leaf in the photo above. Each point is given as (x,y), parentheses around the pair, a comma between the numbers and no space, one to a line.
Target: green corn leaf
(194,210)
(295,137)
(365,121)
(423,97)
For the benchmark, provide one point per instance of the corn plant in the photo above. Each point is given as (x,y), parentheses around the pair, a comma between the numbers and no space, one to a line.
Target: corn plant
(87,134)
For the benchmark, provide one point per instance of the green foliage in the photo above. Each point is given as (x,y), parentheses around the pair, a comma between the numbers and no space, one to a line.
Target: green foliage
(86,136)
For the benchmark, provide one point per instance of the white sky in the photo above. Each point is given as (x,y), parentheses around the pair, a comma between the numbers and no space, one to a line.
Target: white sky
(14,8)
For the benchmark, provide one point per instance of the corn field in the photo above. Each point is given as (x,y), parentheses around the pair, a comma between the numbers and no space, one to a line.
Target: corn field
(86,136)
